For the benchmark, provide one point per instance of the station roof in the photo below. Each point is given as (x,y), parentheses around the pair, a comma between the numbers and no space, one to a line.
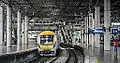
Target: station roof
(61,8)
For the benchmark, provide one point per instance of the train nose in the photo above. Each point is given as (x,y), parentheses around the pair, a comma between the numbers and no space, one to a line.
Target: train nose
(46,47)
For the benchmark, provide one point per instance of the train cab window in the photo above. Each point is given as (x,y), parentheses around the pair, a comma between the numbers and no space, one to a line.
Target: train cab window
(42,36)
(42,39)
(50,38)
(46,39)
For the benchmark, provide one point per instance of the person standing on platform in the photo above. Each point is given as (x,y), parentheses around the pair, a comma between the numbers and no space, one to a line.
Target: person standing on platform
(115,45)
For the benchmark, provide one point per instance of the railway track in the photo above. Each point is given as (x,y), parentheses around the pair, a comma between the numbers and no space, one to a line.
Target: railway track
(39,60)
(45,59)
(79,56)
(51,60)
(72,57)
(69,55)
(66,55)
(75,56)
(61,58)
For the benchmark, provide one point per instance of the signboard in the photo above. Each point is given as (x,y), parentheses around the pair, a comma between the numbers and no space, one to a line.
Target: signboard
(77,34)
(96,31)
(114,31)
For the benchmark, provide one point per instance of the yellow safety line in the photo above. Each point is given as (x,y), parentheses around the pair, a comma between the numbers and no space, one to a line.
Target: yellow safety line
(96,60)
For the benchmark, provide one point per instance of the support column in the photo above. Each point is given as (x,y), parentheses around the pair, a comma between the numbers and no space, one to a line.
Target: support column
(1,25)
(26,30)
(18,30)
(82,37)
(23,34)
(107,24)
(9,23)
(87,24)
(93,35)
(97,25)
(91,41)
(85,31)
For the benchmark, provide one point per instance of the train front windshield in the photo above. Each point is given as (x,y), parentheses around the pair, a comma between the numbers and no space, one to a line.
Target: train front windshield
(46,39)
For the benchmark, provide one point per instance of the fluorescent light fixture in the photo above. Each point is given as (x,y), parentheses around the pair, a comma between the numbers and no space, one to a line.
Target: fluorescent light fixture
(115,23)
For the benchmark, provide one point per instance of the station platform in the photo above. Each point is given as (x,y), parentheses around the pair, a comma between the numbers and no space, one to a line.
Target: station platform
(98,55)
(92,55)
(13,48)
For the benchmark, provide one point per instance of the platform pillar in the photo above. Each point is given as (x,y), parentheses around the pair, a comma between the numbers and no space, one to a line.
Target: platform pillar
(107,21)
(91,41)
(93,35)
(9,23)
(86,31)
(97,25)
(23,33)
(26,30)
(82,37)
(18,29)
(1,25)
(87,35)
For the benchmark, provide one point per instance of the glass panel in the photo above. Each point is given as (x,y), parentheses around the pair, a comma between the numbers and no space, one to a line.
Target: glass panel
(46,39)
(50,38)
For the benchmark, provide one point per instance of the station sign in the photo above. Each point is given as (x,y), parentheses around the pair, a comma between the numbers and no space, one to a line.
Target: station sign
(115,31)
(95,30)
(77,34)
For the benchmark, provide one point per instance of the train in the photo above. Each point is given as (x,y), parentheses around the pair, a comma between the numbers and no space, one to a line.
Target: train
(47,43)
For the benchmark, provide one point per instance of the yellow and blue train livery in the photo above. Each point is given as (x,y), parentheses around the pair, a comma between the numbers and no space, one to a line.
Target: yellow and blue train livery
(47,43)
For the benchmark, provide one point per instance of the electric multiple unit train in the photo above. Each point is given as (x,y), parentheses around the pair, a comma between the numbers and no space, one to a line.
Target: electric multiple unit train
(47,43)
